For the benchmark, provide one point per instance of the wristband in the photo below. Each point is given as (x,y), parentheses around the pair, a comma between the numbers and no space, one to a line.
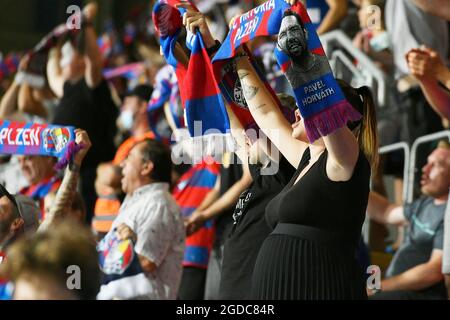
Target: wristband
(214,48)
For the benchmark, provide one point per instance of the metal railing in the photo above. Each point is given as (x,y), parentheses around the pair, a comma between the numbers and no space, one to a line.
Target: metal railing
(338,59)
(376,78)
(384,150)
(407,152)
(412,163)
(409,169)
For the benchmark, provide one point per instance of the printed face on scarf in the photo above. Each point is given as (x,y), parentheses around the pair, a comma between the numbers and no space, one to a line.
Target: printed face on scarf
(292,38)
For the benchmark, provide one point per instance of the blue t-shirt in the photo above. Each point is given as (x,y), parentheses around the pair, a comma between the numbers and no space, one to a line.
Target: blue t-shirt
(425,234)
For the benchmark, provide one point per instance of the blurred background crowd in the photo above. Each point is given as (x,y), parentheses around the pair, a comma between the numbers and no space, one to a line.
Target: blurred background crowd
(399,48)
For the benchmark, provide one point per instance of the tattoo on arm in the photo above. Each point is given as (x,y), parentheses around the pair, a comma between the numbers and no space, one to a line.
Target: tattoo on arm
(249,91)
(260,106)
(63,199)
(242,75)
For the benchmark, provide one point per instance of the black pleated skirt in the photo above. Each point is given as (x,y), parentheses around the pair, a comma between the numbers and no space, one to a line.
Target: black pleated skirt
(294,268)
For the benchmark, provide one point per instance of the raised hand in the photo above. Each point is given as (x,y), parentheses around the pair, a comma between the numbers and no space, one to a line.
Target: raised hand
(24,62)
(81,138)
(423,62)
(193,20)
(90,11)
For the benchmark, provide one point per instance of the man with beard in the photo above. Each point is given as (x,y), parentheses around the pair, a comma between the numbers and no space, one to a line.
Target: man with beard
(415,271)
(18,215)
(293,41)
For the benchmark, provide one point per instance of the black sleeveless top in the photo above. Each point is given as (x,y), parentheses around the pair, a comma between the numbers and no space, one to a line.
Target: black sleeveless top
(319,202)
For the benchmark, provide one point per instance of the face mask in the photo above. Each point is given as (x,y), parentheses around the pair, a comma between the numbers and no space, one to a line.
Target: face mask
(126,119)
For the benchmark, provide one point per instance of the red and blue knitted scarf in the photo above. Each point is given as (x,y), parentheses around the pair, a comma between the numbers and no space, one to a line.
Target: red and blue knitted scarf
(319,97)
(231,88)
(165,90)
(38,139)
(206,115)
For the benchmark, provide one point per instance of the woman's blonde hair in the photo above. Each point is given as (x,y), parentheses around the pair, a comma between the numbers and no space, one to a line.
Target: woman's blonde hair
(366,129)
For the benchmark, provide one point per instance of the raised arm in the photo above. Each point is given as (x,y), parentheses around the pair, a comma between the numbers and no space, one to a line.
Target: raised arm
(194,21)
(343,151)
(439,8)
(438,98)
(66,192)
(93,57)
(428,68)
(28,104)
(267,114)
(425,61)
(54,73)
(9,102)
(337,12)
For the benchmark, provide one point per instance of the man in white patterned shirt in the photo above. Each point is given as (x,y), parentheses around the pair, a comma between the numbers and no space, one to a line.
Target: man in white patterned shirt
(150,216)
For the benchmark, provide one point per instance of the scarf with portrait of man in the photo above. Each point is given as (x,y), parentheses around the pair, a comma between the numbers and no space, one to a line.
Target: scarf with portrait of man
(302,59)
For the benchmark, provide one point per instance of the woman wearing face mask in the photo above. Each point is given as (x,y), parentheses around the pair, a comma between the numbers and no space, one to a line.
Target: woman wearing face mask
(133,117)
(311,252)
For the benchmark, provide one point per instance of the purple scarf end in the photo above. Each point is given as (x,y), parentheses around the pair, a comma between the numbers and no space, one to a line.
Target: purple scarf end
(72,149)
(329,120)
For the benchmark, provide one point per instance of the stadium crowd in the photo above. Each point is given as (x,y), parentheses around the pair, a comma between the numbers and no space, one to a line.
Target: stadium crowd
(144,213)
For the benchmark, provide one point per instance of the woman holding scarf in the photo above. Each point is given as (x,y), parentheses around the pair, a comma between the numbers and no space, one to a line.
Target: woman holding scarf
(317,218)
(310,254)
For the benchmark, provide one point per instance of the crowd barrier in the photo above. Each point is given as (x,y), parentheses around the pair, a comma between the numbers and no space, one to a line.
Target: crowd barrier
(341,51)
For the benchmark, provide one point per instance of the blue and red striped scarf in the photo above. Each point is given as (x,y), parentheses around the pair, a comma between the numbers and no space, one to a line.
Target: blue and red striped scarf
(40,190)
(206,115)
(9,65)
(231,88)
(38,139)
(321,101)
(189,193)
(165,90)
(129,71)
